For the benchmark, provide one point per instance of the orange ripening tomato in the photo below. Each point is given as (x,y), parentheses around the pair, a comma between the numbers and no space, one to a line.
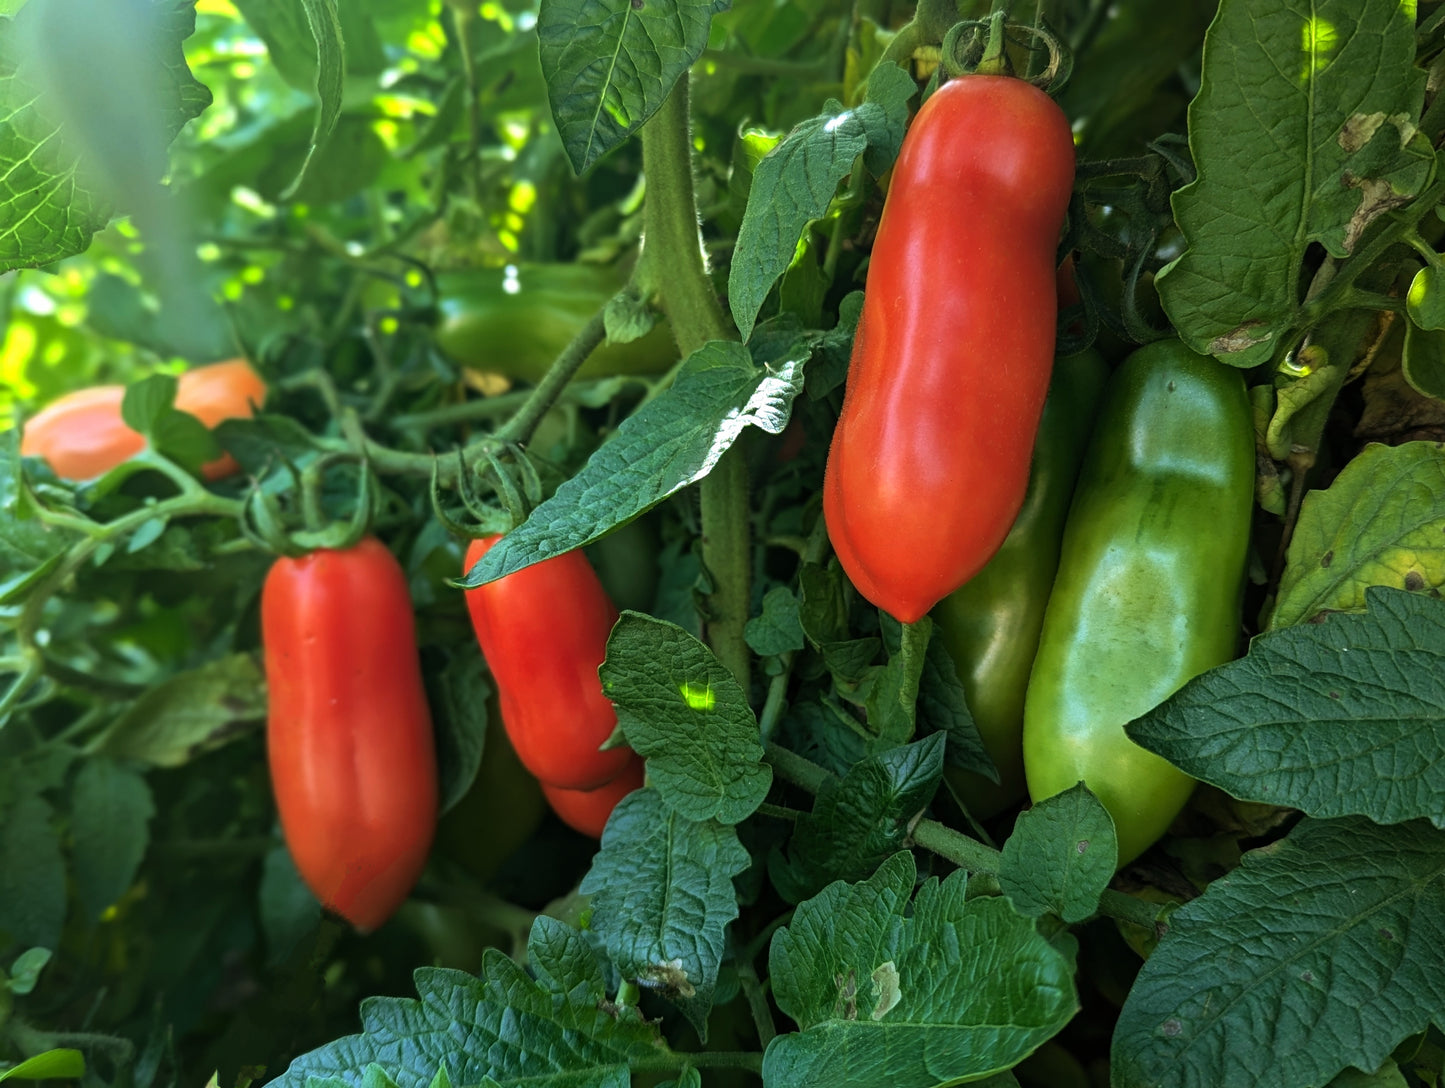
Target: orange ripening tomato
(543,631)
(587,810)
(348,732)
(82,435)
(930,459)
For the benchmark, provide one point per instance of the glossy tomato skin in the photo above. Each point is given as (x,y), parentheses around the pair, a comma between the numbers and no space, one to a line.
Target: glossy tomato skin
(990,625)
(543,631)
(1150,583)
(930,458)
(516,321)
(348,732)
(81,435)
(587,810)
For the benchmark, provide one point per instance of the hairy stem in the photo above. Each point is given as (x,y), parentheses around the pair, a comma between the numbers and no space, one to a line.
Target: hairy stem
(675,257)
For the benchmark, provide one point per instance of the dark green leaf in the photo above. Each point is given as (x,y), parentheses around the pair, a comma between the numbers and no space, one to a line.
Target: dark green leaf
(32,872)
(943,708)
(501,1028)
(1338,718)
(1294,146)
(866,816)
(669,443)
(458,697)
(111,810)
(1060,857)
(778,630)
(609,64)
(686,714)
(191,713)
(960,989)
(1319,952)
(663,896)
(1423,361)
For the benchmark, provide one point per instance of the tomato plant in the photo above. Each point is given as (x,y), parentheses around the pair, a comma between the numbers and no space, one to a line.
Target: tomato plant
(348,731)
(840,556)
(918,500)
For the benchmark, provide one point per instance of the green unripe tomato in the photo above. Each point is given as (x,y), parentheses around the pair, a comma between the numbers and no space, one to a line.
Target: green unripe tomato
(516,321)
(1149,587)
(990,626)
(498,813)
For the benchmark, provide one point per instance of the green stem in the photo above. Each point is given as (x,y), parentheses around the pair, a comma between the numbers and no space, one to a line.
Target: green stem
(478,408)
(675,255)
(757,999)
(966,853)
(791,767)
(1338,295)
(776,700)
(520,427)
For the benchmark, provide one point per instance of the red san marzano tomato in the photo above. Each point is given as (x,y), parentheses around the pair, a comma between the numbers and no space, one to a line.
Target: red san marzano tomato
(81,435)
(951,362)
(543,631)
(587,810)
(348,732)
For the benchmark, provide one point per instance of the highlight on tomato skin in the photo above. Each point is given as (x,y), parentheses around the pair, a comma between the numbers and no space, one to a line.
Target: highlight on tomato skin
(348,733)
(81,435)
(587,810)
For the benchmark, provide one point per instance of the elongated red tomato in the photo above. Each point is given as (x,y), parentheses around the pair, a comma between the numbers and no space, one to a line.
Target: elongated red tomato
(930,459)
(81,435)
(348,732)
(587,810)
(543,631)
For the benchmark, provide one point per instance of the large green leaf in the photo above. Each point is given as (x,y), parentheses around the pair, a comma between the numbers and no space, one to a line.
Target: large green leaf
(1303,132)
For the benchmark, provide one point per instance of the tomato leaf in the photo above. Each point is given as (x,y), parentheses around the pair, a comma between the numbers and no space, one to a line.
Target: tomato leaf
(1320,952)
(1290,152)
(778,629)
(1381,522)
(289,912)
(500,1028)
(1423,361)
(861,819)
(795,182)
(89,98)
(662,898)
(1060,857)
(191,713)
(610,64)
(111,810)
(32,870)
(63,1064)
(1345,717)
(458,697)
(959,988)
(943,707)
(682,710)
(669,443)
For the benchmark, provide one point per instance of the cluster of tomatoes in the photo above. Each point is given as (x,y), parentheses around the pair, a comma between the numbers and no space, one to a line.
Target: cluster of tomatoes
(350,743)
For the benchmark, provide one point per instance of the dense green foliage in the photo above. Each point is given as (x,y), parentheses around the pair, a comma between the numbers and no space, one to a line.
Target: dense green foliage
(800,894)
